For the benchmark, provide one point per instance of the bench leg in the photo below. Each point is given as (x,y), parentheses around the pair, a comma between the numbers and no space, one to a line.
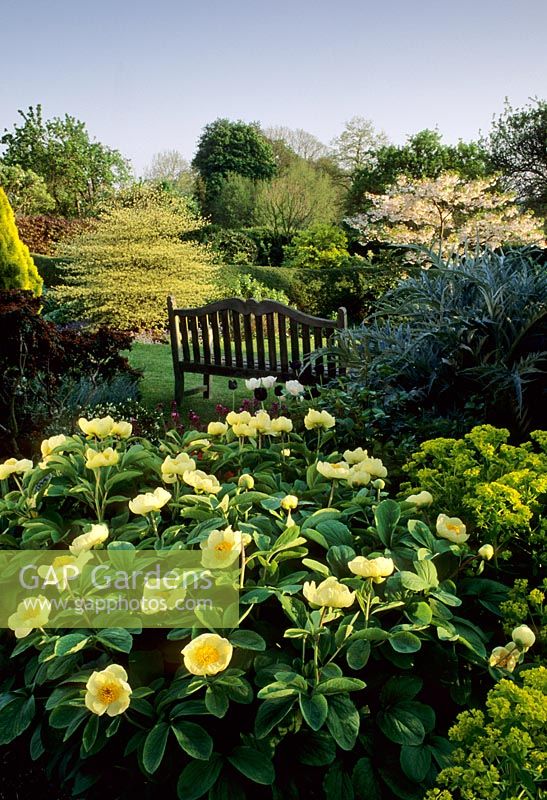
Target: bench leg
(206,386)
(179,387)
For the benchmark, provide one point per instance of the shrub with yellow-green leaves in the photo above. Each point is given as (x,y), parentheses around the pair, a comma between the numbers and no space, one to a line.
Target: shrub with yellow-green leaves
(120,272)
(336,681)
(17,269)
(500,753)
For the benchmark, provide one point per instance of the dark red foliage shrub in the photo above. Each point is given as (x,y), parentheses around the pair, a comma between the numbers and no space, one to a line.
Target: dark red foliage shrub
(41,233)
(37,355)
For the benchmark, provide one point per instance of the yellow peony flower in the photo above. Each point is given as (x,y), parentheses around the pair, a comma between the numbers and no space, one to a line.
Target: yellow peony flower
(108,691)
(373,466)
(221,548)
(246,482)
(244,429)
(49,445)
(216,428)
(207,654)
(355,456)
(146,503)
(524,637)
(329,593)
(100,428)
(282,425)
(86,541)
(163,594)
(318,419)
(201,482)
(422,499)
(376,568)
(286,452)
(122,429)
(32,612)
(506,657)
(486,552)
(289,502)
(13,466)
(104,458)
(261,422)
(174,468)
(236,418)
(451,528)
(358,476)
(336,472)
(63,569)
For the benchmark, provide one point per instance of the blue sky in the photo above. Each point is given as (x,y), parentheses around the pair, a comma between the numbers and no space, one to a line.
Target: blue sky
(148,76)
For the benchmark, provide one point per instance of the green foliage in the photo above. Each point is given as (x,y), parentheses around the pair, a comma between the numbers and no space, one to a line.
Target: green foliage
(423,156)
(498,488)
(517,148)
(311,697)
(500,752)
(471,326)
(78,172)
(26,191)
(232,205)
(319,246)
(298,197)
(232,147)
(17,269)
(245,286)
(120,272)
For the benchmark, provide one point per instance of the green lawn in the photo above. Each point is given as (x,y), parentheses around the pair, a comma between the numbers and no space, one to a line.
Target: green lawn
(157,383)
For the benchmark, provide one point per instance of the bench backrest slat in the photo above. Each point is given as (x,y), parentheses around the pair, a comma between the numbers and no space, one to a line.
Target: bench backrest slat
(259,332)
(215,325)
(295,344)
(237,339)
(249,346)
(283,354)
(272,348)
(226,338)
(193,328)
(206,345)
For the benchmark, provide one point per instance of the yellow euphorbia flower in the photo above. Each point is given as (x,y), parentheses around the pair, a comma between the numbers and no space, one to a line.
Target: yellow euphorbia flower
(99,427)
(451,528)
(150,501)
(32,612)
(14,466)
(329,593)
(174,468)
(108,691)
(86,541)
(216,428)
(237,418)
(104,458)
(337,471)
(376,568)
(207,654)
(201,482)
(319,419)
(221,548)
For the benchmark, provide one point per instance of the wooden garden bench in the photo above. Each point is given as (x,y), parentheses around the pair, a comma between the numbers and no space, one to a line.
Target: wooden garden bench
(247,338)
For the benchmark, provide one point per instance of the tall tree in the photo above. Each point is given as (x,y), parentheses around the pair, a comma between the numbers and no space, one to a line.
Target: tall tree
(517,145)
(355,146)
(26,191)
(423,156)
(304,144)
(78,172)
(170,168)
(232,147)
